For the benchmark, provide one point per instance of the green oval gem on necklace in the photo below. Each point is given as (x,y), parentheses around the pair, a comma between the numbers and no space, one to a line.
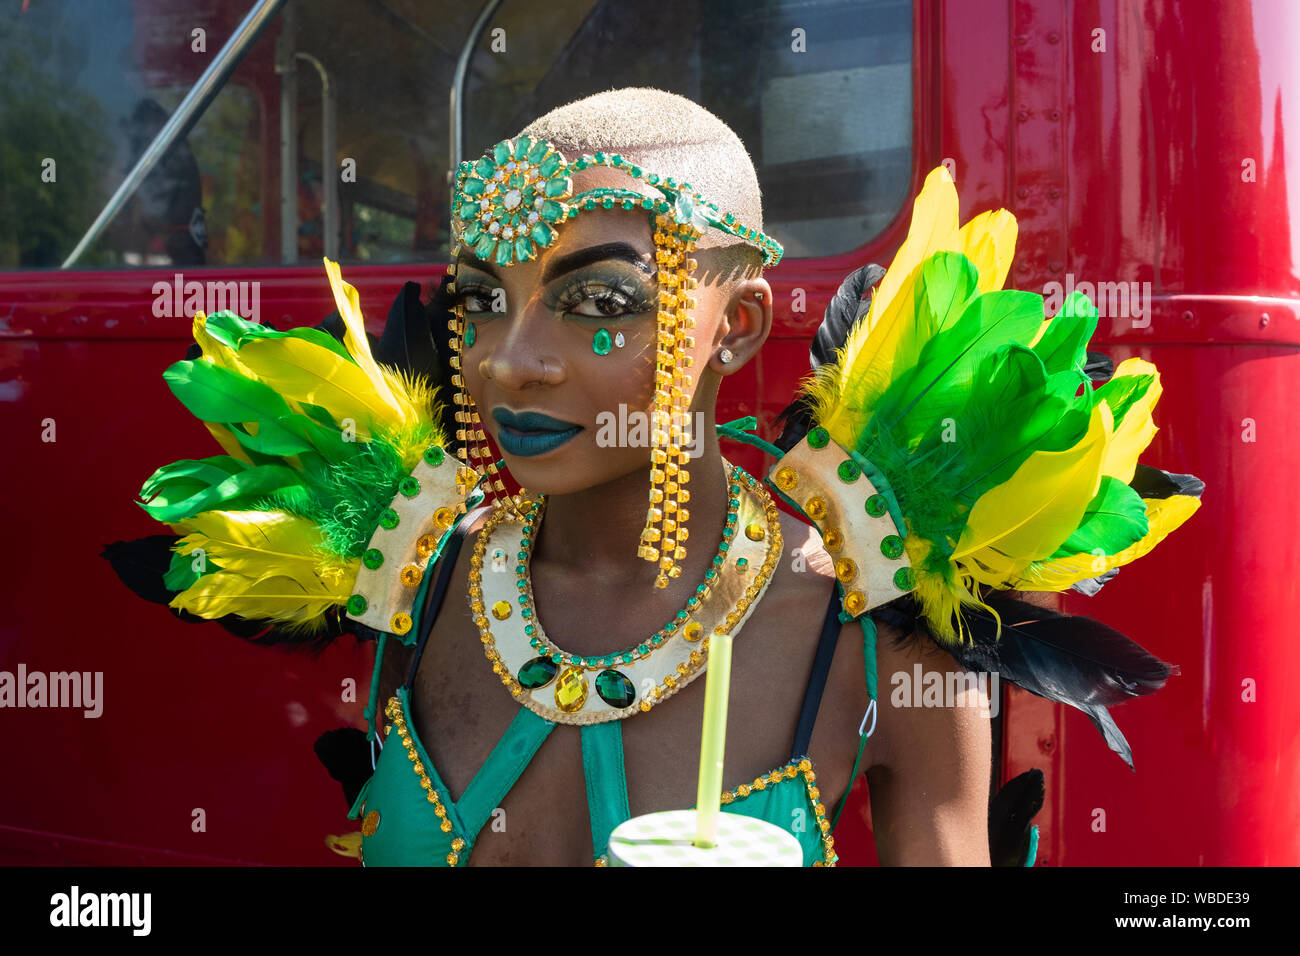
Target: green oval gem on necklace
(538,672)
(615,688)
(602,343)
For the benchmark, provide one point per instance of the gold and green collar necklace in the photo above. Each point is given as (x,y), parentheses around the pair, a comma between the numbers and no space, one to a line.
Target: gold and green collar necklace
(574,689)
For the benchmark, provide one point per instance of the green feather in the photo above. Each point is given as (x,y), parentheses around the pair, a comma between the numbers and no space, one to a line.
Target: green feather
(215,394)
(1064,344)
(1116,518)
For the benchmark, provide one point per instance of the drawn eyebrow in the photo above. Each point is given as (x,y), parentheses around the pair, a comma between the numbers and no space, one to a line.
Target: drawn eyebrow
(575,260)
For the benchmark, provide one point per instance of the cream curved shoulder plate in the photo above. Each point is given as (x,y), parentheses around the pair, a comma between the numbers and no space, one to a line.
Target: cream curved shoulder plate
(428,503)
(853,508)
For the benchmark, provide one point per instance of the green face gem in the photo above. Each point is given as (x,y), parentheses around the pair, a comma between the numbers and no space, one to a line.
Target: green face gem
(891,546)
(373,558)
(903,579)
(615,689)
(409,486)
(357,605)
(602,342)
(818,437)
(849,471)
(434,455)
(538,672)
(876,506)
(471,335)
(389,519)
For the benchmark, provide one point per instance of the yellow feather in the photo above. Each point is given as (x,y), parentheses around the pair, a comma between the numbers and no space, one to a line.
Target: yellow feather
(349,305)
(868,357)
(867,363)
(1137,429)
(933,229)
(1032,512)
(1057,574)
(302,371)
(298,600)
(253,542)
(989,242)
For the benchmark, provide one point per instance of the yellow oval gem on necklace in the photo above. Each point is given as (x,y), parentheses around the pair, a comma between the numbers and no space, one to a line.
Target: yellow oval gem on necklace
(755,531)
(571,690)
(501,610)
(693,631)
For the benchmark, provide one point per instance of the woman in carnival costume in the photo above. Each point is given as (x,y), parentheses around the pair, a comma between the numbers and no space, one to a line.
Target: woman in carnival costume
(538,652)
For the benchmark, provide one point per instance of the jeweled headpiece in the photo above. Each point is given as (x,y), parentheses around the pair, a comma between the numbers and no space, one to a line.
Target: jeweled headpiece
(506,207)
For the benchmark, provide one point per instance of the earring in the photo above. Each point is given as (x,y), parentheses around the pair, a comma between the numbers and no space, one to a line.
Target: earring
(602,343)
(664,535)
(725,356)
(758,296)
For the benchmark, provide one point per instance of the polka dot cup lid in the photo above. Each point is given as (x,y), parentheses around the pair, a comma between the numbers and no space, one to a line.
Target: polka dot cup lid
(664,839)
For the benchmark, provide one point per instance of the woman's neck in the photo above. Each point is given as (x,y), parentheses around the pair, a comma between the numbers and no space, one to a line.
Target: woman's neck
(596,532)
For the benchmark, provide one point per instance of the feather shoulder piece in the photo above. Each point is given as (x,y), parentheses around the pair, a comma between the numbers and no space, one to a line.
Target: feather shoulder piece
(956,439)
(333,491)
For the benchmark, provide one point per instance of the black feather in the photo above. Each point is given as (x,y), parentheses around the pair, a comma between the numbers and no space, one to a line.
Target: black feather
(1099,367)
(141,564)
(1067,658)
(850,303)
(1011,815)
(346,755)
(1155,483)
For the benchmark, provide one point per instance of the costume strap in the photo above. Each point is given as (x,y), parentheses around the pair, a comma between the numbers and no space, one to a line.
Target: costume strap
(869,666)
(817,682)
(507,761)
(602,764)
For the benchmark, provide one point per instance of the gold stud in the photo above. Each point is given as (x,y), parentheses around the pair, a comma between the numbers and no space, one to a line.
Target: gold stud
(400,623)
(846,570)
(370,824)
(854,602)
(815,508)
(833,539)
(411,575)
(786,478)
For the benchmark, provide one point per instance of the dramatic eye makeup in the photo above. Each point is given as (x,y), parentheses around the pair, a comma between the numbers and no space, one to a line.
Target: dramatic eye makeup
(612,280)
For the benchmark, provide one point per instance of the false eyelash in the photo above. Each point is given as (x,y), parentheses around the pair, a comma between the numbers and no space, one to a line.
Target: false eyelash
(625,295)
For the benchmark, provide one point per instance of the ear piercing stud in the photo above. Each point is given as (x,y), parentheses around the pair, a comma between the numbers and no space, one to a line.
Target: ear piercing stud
(725,356)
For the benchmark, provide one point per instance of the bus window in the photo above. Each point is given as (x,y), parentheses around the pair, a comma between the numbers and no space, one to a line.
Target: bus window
(820,91)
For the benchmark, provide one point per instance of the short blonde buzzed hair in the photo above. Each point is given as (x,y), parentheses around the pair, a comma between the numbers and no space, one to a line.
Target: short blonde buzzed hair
(670,135)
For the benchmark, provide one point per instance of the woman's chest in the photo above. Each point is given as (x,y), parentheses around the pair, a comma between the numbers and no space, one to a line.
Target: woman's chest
(462,711)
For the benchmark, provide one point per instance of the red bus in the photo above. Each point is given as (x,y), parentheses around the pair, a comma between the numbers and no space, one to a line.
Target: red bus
(163,153)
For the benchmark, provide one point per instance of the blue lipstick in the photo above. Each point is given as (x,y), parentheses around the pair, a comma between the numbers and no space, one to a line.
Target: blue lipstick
(526,434)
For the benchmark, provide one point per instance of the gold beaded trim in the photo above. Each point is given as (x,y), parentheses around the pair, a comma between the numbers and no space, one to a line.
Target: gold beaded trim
(393,711)
(471,440)
(790,771)
(665,524)
(690,657)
